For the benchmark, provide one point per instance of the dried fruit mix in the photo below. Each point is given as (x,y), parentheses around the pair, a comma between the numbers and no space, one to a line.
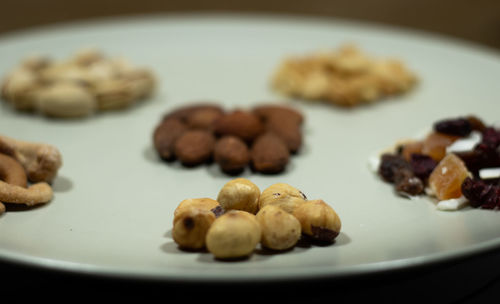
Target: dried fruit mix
(459,161)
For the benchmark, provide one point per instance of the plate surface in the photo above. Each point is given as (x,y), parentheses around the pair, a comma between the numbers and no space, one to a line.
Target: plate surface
(114,199)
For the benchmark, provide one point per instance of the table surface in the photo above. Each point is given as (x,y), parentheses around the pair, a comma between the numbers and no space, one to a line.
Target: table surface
(470,280)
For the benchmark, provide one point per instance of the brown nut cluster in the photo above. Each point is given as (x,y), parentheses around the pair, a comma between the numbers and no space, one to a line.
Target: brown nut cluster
(262,138)
(26,171)
(243,217)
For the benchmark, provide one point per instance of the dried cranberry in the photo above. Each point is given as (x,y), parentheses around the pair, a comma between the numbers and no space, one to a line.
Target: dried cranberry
(457,126)
(481,194)
(422,165)
(390,164)
(491,137)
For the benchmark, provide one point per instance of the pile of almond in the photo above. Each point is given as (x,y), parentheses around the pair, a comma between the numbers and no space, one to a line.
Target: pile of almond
(262,138)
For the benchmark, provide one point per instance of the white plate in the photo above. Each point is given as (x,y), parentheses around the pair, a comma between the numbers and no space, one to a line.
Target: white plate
(114,199)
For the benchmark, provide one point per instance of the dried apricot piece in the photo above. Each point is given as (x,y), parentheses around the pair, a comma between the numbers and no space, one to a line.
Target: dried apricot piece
(446,179)
(414,147)
(435,144)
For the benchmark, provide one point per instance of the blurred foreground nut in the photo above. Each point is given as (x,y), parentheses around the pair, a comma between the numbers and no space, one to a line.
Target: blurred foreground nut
(282,195)
(318,220)
(192,219)
(280,229)
(194,147)
(240,194)
(231,154)
(235,234)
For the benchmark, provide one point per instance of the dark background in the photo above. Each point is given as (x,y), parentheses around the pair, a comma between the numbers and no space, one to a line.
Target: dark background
(477,21)
(474,279)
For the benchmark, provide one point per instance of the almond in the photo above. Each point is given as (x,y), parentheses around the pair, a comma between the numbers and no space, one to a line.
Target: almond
(243,124)
(165,135)
(269,154)
(231,154)
(194,147)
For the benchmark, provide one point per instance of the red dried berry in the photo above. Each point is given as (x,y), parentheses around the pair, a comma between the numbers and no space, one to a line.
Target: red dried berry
(457,126)
(481,194)
(422,165)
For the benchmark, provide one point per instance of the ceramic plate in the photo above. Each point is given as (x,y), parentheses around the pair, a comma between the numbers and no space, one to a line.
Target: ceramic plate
(114,199)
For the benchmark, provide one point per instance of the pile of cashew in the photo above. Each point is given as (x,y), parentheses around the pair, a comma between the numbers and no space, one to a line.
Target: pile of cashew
(85,83)
(26,171)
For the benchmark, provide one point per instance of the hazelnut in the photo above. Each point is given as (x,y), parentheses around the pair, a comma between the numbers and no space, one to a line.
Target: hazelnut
(191,226)
(201,203)
(194,147)
(240,194)
(235,234)
(282,195)
(192,218)
(280,229)
(269,154)
(318,220)
(165,136)
(231,154)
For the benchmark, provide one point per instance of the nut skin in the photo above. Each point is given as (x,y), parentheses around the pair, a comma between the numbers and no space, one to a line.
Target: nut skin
(165,136)
(286,129)
(280,229)
(269,111)
(318,220)
(204,203)
(194,147)
(191,226)
(192,219)
(242,124)
(239,194)
(204,118)
(269,154)
(282,195)
(231,154)
(235,234)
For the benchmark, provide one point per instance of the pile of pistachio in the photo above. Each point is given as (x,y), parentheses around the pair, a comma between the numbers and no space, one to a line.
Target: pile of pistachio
(242,217)
(79,86)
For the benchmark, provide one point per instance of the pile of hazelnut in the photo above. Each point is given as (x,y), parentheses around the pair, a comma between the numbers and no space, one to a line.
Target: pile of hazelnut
(263,138)
(242,217)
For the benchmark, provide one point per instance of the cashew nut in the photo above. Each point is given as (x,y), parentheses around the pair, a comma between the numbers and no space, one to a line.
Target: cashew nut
(40,161)
(12,173)
(35,194)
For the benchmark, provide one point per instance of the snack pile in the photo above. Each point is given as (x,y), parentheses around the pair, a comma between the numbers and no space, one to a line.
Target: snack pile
(457,163)
(77,87)
(242,217)
(26,171)
(344,77)
(263,137)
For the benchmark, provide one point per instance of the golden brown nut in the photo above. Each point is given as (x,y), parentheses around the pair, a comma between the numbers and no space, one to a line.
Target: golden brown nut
(240,194)
(280,229)
(192,218)
(318,220)
(204,203)
(234,234)
(282,195)
(191,226)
